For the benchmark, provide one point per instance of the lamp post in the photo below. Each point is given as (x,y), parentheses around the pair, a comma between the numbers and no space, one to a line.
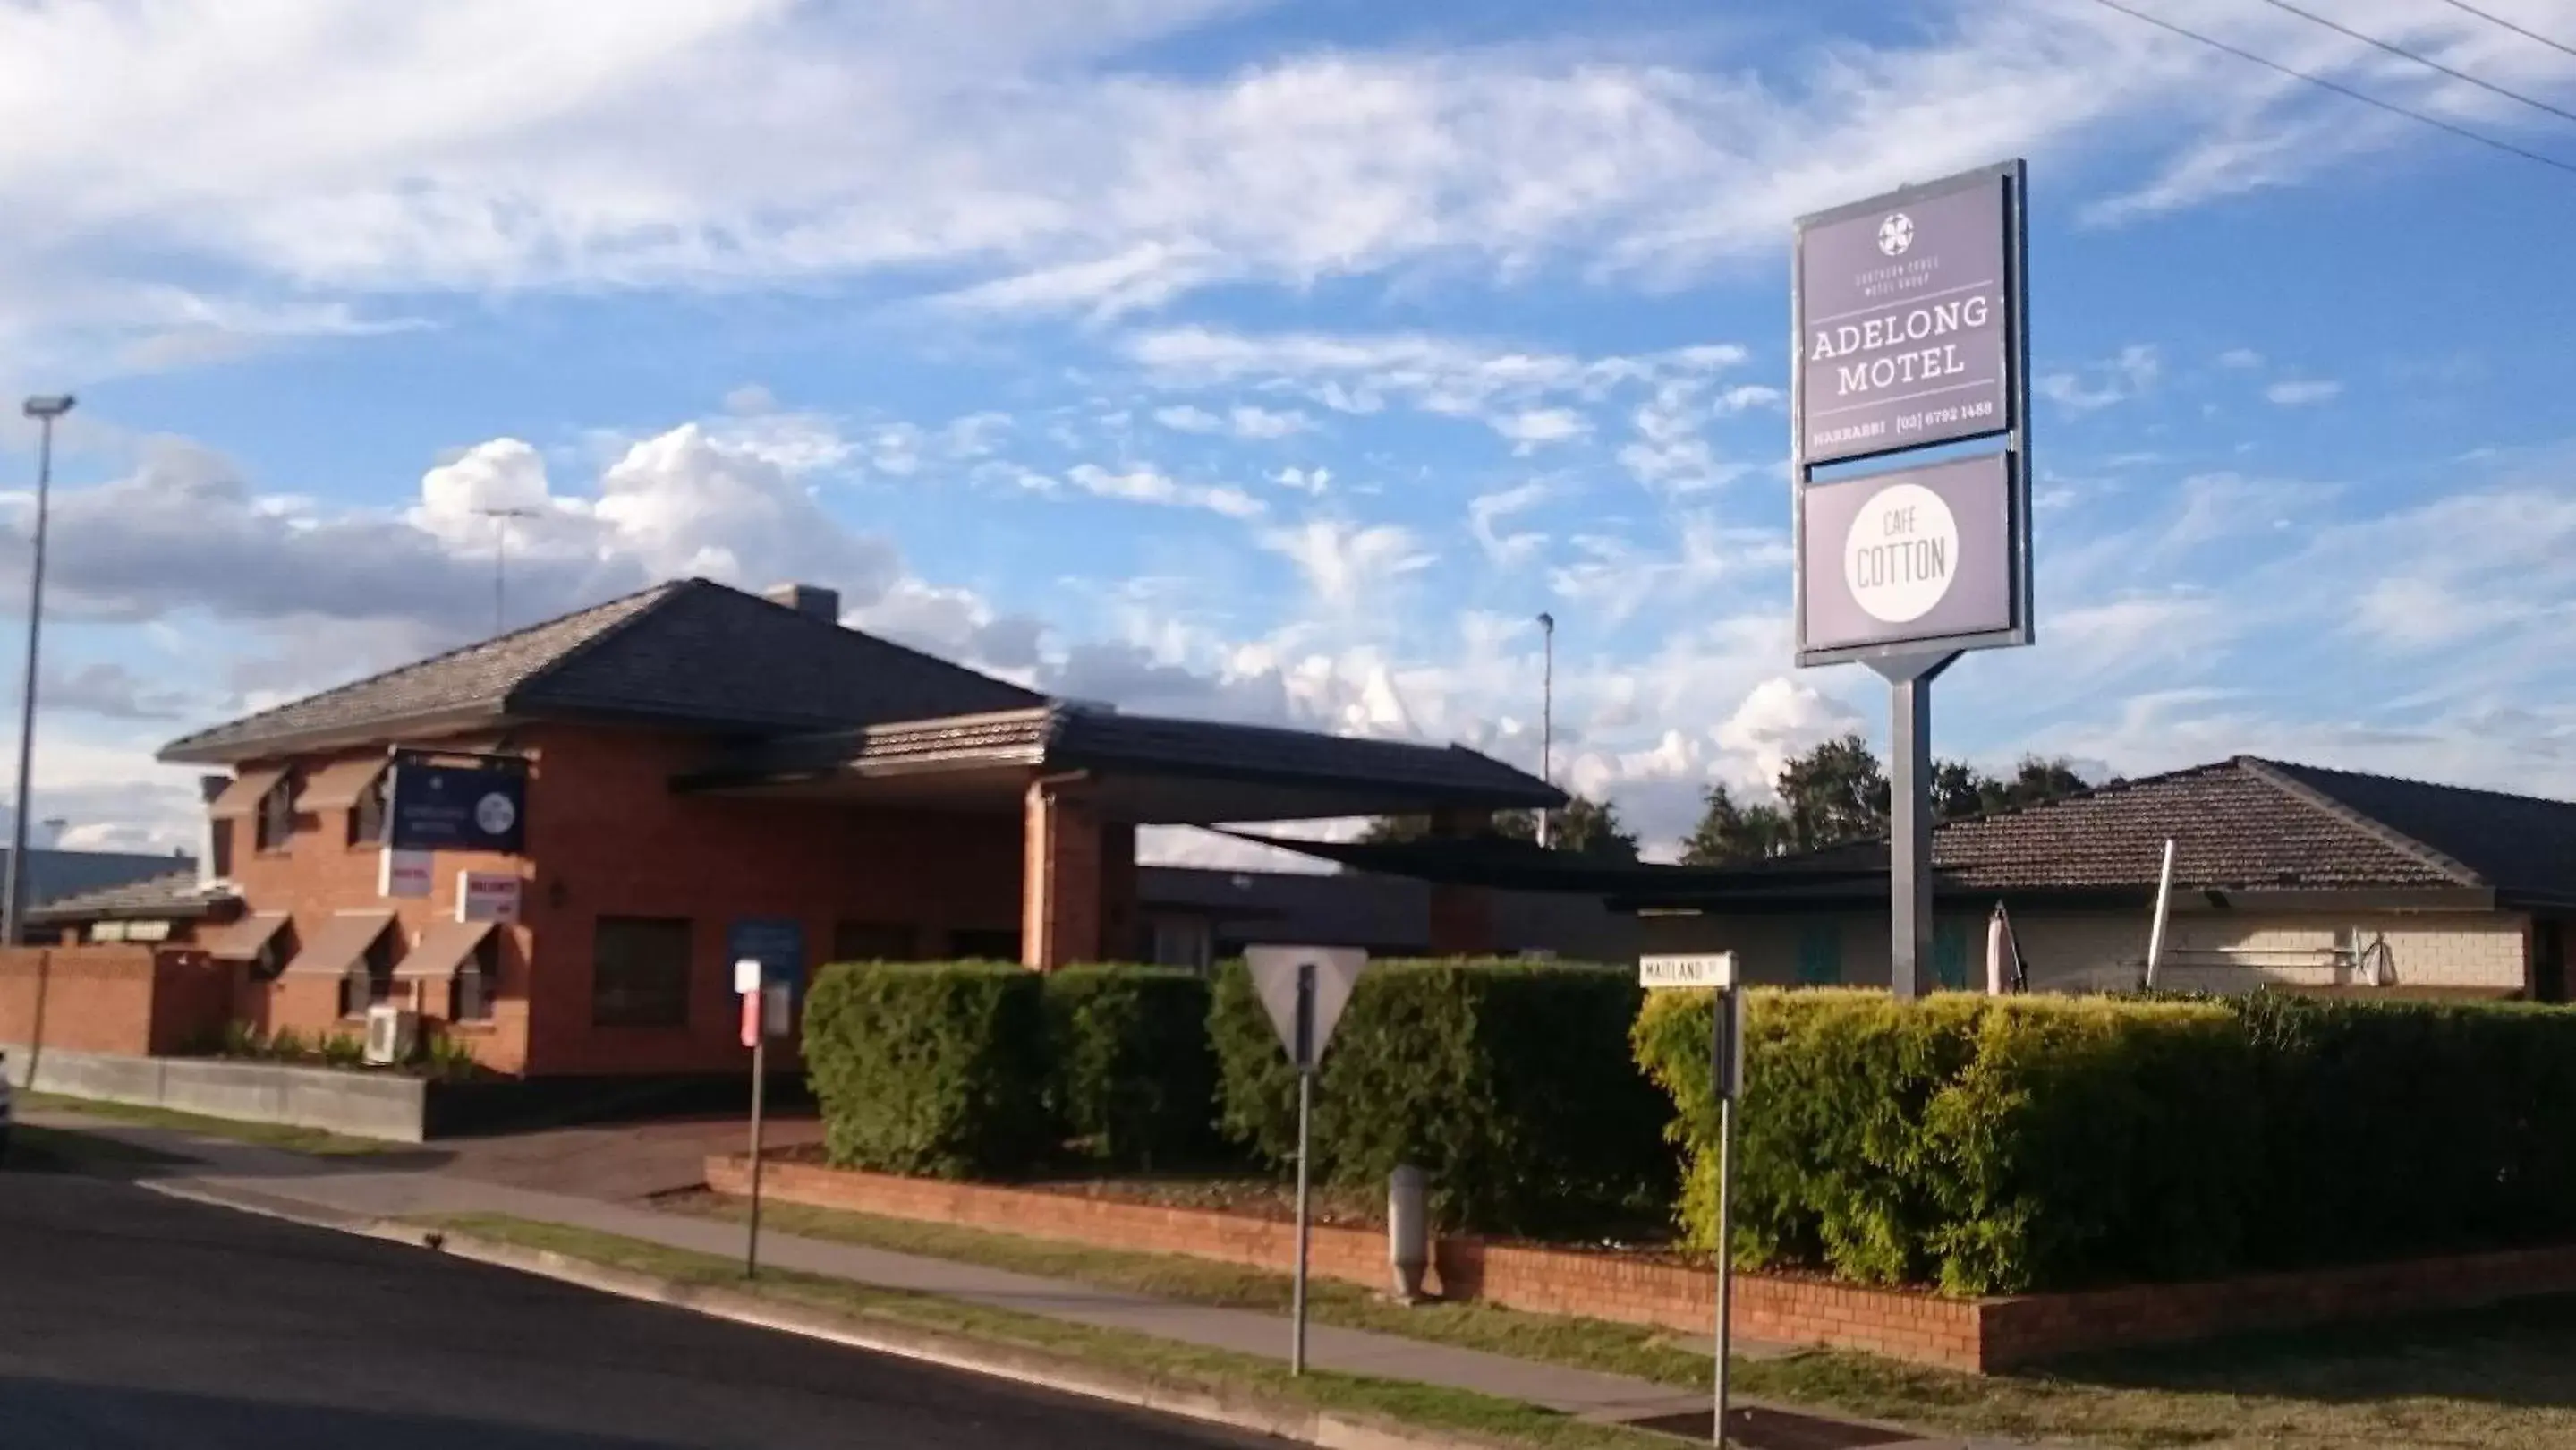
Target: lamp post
(1546,718)
(500,518)
(44,409)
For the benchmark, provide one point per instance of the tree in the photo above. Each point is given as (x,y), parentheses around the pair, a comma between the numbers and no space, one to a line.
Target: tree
(1583,827)
(1729,833)
(2035,780)
(1832,794)
(1959,789)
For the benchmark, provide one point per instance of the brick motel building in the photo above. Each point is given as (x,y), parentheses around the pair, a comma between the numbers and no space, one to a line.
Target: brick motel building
(700,761)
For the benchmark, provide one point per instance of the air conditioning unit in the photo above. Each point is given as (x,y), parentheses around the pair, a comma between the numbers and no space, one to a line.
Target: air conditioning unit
(392,1033)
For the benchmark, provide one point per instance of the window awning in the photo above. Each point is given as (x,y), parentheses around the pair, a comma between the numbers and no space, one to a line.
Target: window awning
(242,797)
(243,940)
(339,945)
(443,950)
(342,784)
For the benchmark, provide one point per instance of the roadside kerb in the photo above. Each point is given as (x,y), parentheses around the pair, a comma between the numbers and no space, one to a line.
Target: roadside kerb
(1259,1414)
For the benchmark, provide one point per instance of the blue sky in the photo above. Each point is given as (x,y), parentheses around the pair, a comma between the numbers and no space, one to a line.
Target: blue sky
(1282,362)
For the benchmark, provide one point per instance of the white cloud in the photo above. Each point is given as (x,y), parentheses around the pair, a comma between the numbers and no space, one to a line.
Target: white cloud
(2240,358)
(2303,392)
(1345,563)
(1185,418)
(1244,421)
(1146,484)
(1533,428)
(2125,375)
(1506,551)
(1304,480)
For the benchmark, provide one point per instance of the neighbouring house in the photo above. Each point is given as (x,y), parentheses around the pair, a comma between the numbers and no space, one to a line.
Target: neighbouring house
(177,907)
(2285,876)
(55,874)
(702,761)
(1195,916)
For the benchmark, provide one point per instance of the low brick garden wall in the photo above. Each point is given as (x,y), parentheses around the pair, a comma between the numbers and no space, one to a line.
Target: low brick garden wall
(1975,1335)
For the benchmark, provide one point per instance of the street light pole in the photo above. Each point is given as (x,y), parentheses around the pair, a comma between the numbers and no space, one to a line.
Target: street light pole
(500,518)
(44,409)
(1546,718)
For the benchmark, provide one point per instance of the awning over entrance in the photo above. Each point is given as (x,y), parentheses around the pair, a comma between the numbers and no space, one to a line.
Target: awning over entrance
(1143,769)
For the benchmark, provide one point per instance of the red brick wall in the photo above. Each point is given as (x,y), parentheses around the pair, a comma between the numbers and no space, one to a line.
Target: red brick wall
(1063,869)
(115,998)
(1974,1335)
(607,837)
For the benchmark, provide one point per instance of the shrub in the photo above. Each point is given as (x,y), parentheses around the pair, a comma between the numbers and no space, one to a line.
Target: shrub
(1509,1083)
(287,1045)
(340,1049)
(1130,1074)
(448,1058)
(242,1039)
(931,1067)
(1987,1146)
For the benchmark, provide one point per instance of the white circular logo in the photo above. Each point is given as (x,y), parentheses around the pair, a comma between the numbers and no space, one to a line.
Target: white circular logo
(494,813)
(1901,554)
(1896,233)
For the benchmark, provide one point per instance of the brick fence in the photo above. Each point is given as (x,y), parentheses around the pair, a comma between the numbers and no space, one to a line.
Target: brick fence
(126,999)
(1975,1335)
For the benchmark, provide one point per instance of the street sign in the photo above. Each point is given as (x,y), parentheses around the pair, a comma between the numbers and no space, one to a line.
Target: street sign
(488,896)
(1918,556)
(1274,977)
(1706,969)
(403,873)
(480,807)
(1907,315)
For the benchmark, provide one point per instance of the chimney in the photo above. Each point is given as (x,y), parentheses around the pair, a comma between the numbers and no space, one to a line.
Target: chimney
(811,599)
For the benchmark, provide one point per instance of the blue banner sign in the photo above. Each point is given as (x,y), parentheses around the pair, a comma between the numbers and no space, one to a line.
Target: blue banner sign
(776,942)
(480,807)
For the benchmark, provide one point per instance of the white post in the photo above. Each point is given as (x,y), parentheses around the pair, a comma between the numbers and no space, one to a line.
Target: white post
(1997,979)
(1547,722)
(1726,1066)
(1305,1054)
(2164,904)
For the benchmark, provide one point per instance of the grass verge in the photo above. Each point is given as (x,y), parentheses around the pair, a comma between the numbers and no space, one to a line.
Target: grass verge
(1160,1361)
(261,1135)
(2503,1377)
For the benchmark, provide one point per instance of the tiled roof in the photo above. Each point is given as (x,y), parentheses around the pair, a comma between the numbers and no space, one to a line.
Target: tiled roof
(689,653)
(174,895)
(2523,845)
(2238,824)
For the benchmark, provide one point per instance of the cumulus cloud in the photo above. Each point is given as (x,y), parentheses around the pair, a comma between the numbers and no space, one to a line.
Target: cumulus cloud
(1344,563)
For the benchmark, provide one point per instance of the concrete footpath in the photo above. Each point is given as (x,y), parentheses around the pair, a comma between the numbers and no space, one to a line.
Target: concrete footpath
(408,1184)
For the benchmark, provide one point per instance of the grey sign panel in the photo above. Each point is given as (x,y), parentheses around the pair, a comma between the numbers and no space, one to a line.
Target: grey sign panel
(1911,556)
(1904,320)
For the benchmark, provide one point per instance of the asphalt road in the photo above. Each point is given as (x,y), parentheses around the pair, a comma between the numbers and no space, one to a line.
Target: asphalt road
(132,1320)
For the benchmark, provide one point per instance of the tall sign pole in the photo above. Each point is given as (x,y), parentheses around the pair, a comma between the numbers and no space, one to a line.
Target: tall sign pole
(1303,990)
(1911,329)
(1726,1084)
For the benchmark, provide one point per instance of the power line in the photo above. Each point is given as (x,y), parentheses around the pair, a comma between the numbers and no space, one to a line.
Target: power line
(2509,25)
(2366,99)
(2425,61)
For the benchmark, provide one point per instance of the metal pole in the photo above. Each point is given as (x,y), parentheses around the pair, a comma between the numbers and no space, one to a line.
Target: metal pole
(1909,857)
(2164,903)
(500,518)
(1304,1051)
(759,1085)
(1722,1052)
(12,905)
(1546,719)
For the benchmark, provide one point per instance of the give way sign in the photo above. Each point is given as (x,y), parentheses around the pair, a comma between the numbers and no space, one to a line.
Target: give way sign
(1312,982)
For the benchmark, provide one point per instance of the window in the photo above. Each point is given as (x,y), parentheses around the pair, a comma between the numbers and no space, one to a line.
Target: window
(277,814)
(477,982)
(1183,942)
(370,979)
(1820,954)
(639,972)
(874,941)
(219,849)
(984,946)
(367,812)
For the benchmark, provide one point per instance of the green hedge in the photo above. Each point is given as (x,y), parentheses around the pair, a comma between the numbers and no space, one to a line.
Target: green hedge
(934,1068)
(1981,1145)
(1131,1077)
(1509,1083)
(2049,1143)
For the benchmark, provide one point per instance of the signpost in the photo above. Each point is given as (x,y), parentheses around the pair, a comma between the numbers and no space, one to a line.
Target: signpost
(1726,1080)
(1304,989)
(777,943)
(764,1016)
(1911,328)
(404,873)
